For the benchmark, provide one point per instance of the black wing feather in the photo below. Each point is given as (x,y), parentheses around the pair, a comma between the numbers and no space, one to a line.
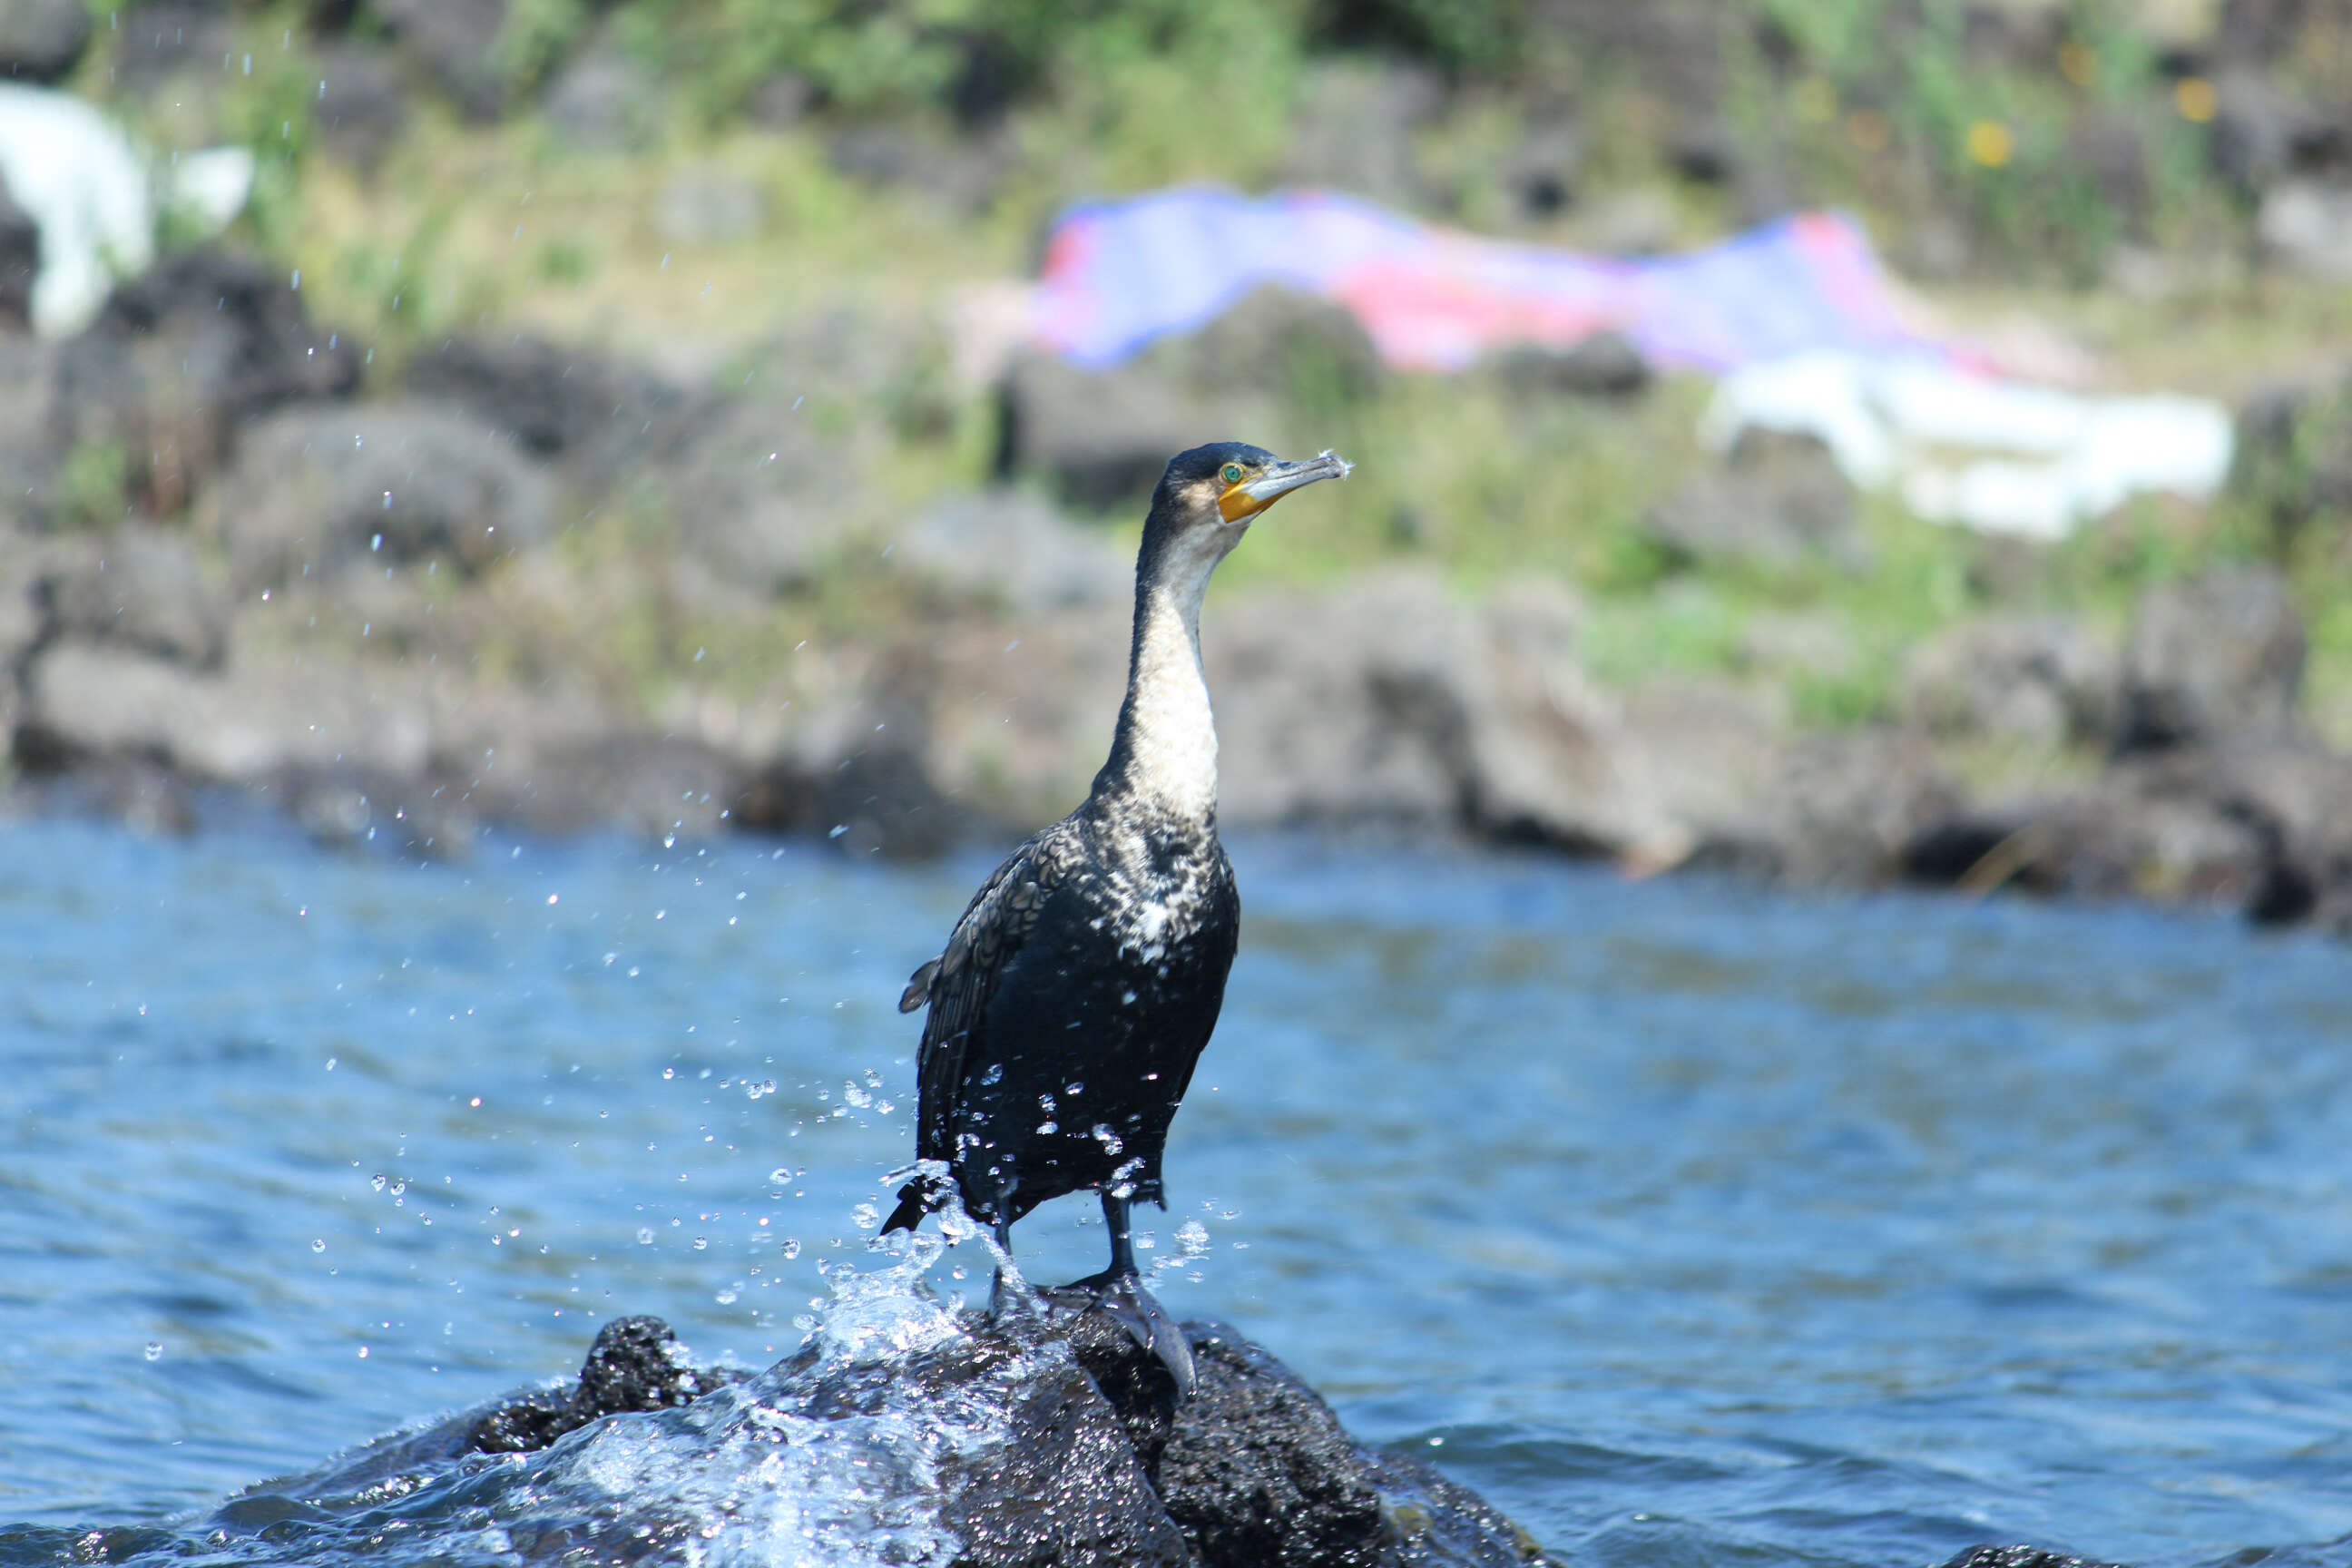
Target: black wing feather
(959,982)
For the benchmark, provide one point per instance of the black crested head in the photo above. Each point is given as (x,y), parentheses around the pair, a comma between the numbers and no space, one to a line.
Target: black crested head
(1209,496)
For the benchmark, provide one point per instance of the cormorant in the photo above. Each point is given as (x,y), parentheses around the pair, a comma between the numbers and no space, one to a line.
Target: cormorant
(1083,978)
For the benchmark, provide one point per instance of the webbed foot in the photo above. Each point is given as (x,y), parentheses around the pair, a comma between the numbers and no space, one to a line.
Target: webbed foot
(1121,1298)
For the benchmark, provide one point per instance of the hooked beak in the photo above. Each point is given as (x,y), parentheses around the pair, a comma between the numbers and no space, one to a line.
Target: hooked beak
(1249,499)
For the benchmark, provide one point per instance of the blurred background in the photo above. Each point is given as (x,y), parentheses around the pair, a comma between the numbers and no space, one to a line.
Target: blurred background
(1846,440)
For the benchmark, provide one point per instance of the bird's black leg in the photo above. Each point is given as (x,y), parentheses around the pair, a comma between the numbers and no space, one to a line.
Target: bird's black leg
(1117,1292)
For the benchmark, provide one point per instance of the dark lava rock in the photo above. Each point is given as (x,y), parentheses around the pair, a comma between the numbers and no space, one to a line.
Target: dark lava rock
(1354,127)
(605,100)
(456,46)
(140,587)
(40,40)
(2043,680)
(2020,1557)
(168,39)
(637,1364)
(647,783)
(362,106)
(184,354)
(1607,363)
(1274,340)
(1099,1468)
(317,491)
(1100,437)
(20,261)
(560,401)
(2218,653)
(1777,500)
(874,801)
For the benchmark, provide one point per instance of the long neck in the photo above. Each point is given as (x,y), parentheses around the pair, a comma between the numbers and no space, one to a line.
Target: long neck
(1165,754)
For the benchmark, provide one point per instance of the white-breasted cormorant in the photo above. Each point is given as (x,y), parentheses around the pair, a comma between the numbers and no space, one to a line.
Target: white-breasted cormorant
(1083,978)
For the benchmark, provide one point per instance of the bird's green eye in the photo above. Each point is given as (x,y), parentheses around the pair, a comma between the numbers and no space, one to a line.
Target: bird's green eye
(1233,475)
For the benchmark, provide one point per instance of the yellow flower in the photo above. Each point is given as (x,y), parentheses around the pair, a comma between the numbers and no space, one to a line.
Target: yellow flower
(2195,98)
(1988,143)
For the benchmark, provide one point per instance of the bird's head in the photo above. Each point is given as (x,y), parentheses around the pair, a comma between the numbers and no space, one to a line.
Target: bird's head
(1209,496)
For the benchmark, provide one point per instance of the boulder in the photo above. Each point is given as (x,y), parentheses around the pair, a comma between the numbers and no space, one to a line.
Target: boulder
(1273,340)
(1103,437)
(319,491)
(361,106)
(1091,1463)
(1604,365)
(165,40)
(877,800)
(42,40)
(761,496)
(605,100)
(2042,682)
(1354,126)
(962,173)
(1777,501)
(454,46)
(2020,1557)
(2306,224)
(20,263)
(648,784)
(139,587)
(1011,549)
(1540,172)
(586,408)
(2214,654)
(1352,703)
(180,358)
(254,721)
(2263,130)
(709,205)
(1842,807)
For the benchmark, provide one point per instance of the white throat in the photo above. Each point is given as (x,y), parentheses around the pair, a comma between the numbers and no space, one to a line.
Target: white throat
(1170,732)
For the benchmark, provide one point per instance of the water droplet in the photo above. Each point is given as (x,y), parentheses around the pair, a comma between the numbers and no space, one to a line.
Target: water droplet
(701,1243)
(791,1248)
(644,1236)
(377,1182)
(155,1350)
(375,542)
(1049,1126)
(725,1298)
(319,1246)
(866,1215)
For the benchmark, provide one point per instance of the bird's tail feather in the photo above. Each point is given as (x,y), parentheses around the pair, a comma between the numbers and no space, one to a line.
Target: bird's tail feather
(915,1200)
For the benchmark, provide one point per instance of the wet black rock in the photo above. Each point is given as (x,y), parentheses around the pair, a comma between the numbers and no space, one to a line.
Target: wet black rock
(1099,1465)
(647,783)
(2219,653)
(183,355)
(2020,1557)
(40,40)
(637,1364)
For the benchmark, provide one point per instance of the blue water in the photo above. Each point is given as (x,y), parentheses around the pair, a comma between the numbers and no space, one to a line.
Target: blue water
(1692,1225)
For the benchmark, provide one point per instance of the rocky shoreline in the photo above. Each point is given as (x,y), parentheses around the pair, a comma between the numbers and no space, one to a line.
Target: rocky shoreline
(405,617)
